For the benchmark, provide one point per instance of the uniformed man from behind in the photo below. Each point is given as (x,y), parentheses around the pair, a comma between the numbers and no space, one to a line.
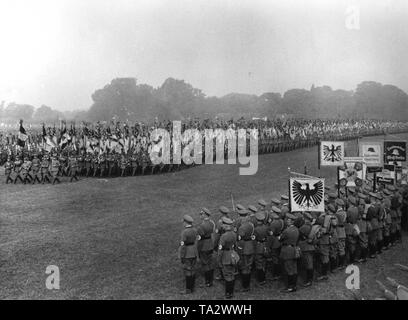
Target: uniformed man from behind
(35,168)
(205,245)
(261,233)
(25,170)
(323,244)
(341,216)
(88,164)
(245,247)
(134,163)
(8,168)
(351,229)
(372,216)
(226,247)
(188,252)
(276,227)
(289,256)
(363,227)
(307,240)
(219,230)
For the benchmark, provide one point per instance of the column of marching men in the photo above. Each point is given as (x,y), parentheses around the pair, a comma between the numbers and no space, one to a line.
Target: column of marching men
(253,241)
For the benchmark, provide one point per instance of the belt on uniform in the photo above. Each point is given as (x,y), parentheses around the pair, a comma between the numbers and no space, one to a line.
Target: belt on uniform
(189,244)
(206,238)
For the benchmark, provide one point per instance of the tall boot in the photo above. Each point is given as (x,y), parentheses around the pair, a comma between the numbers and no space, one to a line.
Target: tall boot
(386,242)
(372,249)
(342,262)
(188,285)
(309,278)
(192,284)
(229,289)
(210,278)
(246,282)
(323,276)
(379,246)
(333,265)
(294,282)
(276,271)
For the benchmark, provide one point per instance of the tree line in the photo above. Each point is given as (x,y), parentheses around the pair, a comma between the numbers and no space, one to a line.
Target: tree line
(124,99)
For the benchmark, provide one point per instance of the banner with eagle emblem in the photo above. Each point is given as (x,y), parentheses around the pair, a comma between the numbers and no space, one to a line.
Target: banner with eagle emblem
(331,153)
(306,194)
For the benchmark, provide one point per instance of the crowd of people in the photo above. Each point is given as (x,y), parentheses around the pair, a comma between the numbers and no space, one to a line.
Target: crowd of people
(123,149)
(269,238)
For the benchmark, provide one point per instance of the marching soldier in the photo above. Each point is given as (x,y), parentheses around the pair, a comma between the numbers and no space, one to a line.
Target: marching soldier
(102,165)
(134,163)
(111,163)
(25,169)
(289,252)
(226,256)
(261,234)
(205,245)
(95,164)
(88,164)
(245,247)
(8,167)
(45,164)
(81,163)
(35,167)
(123,165)
(17,168)
(188,252)
(73,168)
(55,169)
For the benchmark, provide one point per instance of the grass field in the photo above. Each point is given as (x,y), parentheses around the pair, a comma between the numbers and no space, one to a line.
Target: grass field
(118,238)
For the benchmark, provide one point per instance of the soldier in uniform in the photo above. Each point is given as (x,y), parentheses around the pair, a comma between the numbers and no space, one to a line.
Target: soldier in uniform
(307,246)
(351,229)
(333,241)
(55,169)
(323,244)
(289,256)
(245,247)
(73,168)
(387,219)
(134,163)
(341,216)
(45,164)
(88,164)
(276,227)
(17,169)
(226,259)
(81,164)
(205,245)
(63,165)
(25,170)
(372,216)
(35,167)
(219,230)
(111,163)
(95,164)
(261,234)
(8,167)
(188,252)
(123,165)
(363,227)
(102,165)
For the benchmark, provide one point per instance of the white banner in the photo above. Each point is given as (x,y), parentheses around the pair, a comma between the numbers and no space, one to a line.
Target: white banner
(331,153)
(306,194)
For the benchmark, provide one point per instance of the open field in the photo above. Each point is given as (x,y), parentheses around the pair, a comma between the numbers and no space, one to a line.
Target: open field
(118,238)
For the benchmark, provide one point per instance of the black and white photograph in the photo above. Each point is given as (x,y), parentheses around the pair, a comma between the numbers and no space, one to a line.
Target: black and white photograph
(226,152)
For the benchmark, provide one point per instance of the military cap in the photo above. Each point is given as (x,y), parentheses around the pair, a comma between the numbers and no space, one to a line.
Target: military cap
(361,195)
(372,194)
(340,202)
(274,215)
(387,192)
(243,212)
(327,188)
(361,202)
(332,195)
(352,190)
(276,209)
(391,187)
(262,203)
(290,216)
(341,216)
(253,208)
(284,210)
(352,200)
(240,207)
(188,219)
(260,216)
(224,210)
(284,197)
(331,208)
(276,201)
(307,215)
(206,211)
(227,221)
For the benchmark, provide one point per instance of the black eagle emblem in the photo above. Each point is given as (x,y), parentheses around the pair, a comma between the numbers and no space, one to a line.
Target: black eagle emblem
(305,196)
(332,153)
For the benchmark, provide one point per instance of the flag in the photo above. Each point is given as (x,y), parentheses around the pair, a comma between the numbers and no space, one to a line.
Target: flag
(22,135)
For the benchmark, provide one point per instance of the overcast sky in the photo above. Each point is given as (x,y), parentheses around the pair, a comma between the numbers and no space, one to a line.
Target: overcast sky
(58,52)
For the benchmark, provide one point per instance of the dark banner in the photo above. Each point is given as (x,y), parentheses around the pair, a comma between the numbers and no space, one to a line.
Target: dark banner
(395,151)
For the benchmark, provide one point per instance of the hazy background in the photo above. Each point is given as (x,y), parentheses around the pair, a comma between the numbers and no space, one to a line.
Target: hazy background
(58,52)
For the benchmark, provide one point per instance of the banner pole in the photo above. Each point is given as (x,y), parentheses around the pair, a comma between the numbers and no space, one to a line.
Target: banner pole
(338,182)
